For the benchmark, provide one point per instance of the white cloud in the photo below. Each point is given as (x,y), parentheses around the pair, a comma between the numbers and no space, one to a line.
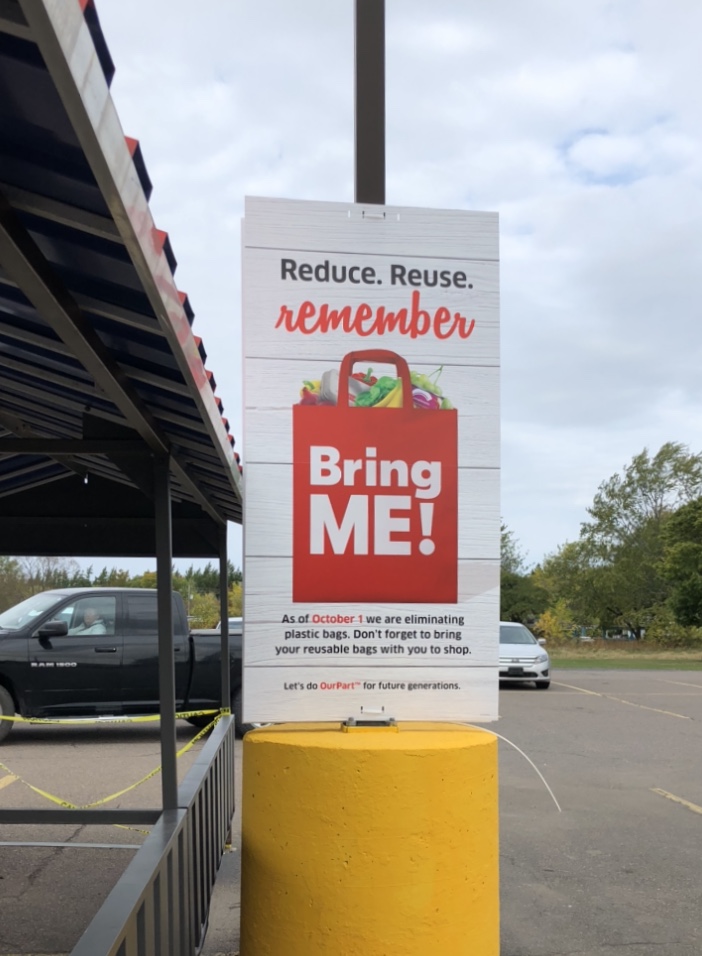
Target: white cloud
(580,123)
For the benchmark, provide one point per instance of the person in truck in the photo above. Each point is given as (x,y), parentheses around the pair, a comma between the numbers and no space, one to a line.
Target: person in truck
(92,623)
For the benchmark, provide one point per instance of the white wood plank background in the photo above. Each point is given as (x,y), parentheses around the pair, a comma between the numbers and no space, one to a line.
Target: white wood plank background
(362,644)
(264,295)
(269,613)
(269,594)
(267,699)
(276,363)
(269,512)
(349,227)
(473,391)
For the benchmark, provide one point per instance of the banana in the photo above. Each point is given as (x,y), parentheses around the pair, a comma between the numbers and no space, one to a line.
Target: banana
(393,399)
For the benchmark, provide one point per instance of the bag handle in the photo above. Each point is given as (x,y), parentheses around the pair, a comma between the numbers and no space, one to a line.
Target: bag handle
(374,355)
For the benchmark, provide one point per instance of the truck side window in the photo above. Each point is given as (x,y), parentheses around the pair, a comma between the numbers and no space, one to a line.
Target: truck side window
(93,615)
(142,614)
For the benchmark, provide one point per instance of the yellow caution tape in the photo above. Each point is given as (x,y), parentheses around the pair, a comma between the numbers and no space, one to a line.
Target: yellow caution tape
(185,715)
(121,826)
(98,803)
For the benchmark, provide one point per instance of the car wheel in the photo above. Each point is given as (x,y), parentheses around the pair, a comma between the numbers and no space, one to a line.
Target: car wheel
(7,709)
(543,684)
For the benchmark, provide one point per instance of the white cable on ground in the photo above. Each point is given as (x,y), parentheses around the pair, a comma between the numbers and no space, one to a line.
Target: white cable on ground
(527,758)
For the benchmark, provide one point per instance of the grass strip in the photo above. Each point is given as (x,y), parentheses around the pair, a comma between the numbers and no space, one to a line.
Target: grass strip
(631,662)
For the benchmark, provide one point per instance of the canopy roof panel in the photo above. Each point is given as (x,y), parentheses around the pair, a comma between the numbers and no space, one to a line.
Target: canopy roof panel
(95,338)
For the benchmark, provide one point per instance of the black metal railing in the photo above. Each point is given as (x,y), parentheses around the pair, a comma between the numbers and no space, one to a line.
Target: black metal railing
(159,906)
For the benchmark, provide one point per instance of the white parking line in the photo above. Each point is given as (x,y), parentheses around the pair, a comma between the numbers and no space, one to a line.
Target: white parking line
(683,683)
(671,796)
(620,700)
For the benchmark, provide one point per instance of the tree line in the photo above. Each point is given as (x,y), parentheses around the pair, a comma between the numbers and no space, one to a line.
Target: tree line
(636,566)
(22,577)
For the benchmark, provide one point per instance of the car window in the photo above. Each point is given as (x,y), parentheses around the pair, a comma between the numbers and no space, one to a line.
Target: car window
(65,614)
(27,611)
(93,615)
(142,614)
(516,634)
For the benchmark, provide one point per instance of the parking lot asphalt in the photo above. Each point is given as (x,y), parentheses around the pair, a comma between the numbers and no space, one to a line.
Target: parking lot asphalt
(619,869)
(616,871)
(49,891)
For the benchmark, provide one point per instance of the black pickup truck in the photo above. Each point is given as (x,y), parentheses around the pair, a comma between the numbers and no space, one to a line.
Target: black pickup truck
(90,652)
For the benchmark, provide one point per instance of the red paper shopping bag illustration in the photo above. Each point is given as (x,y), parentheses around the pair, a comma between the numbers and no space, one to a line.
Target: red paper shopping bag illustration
(374,487)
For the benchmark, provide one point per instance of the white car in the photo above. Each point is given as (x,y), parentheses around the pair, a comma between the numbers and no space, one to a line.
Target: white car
(522,656)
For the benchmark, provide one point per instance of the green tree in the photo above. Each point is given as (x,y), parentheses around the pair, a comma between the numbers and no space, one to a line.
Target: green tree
(145,580)
(556,624)
(13,588)
(113,578)
(569,576)
(613,575)
(645,495)
(559,570)
(665,630)
(512,559)
(521,598)
(235,599)
(43,572)
(682,563)
(204,610)
(207,579)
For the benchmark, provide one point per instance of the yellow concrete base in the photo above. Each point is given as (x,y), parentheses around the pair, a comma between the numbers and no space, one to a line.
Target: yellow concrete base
(370,841)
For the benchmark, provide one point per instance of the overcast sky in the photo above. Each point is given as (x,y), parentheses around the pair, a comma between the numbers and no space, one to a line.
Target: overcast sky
(579,123)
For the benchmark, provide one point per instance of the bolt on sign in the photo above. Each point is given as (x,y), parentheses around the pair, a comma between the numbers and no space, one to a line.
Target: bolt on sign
(371,427)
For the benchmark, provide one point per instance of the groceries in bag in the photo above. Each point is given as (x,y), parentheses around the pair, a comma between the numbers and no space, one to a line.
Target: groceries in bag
(368,391)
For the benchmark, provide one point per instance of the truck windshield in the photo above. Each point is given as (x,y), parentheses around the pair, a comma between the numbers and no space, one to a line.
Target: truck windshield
(22,614)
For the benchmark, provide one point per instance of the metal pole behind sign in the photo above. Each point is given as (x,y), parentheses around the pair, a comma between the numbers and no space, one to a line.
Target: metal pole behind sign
(370,101)
(166,666)
(224,617)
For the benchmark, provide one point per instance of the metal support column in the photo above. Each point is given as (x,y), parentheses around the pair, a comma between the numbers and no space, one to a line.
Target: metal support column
(224,616)
(370,101)
(166,665)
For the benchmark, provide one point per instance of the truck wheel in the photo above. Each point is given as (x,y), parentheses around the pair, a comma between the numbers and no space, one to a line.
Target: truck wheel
(7,709)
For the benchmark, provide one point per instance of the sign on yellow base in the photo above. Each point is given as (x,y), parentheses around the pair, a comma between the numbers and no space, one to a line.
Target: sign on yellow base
(370,841)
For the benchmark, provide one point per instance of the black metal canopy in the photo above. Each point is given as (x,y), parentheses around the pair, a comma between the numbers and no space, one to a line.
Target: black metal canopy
(100,373)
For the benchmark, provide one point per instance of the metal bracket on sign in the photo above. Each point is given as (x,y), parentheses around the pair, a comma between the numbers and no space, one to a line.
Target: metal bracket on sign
(365,720)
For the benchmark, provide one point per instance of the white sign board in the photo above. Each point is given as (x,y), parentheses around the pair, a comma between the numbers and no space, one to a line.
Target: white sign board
(371,431)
